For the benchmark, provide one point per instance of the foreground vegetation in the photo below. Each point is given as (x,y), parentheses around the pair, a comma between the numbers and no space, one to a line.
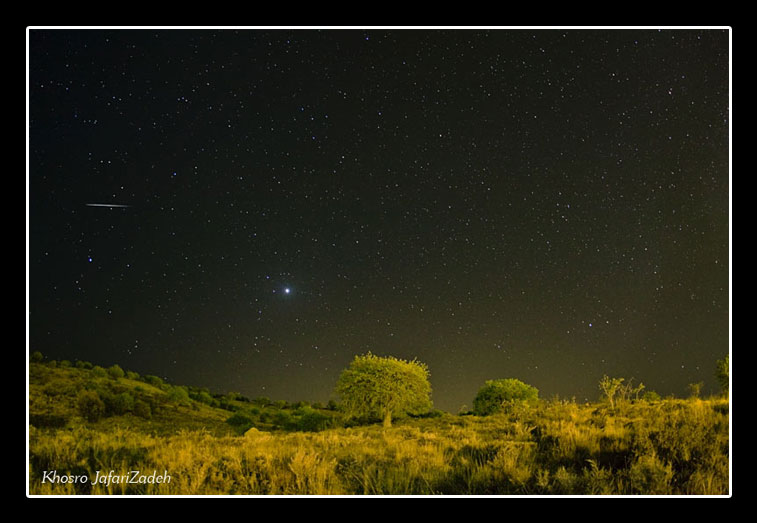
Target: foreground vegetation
(226,444)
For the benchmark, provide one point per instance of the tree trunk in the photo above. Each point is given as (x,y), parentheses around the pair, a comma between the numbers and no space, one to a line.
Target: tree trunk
(388,419)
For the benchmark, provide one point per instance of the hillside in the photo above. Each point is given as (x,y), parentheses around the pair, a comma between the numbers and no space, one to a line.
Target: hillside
(87,422)
(104,400)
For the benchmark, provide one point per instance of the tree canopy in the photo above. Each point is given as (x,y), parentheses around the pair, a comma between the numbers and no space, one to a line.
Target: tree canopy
(384,387)
(496,394)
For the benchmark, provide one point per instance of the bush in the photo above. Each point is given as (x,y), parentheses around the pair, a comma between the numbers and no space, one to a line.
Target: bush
(651,396)
(122,403)
(203,397)
(142,409)
(154,381)
(90,406)
(36,357)
(47,420)
(179,394)
(132,375)
(83,365)
(262,401)
(240,422)
(310,420)
(57,387)
(282,419)
(99,371)
(649,475)
(496,395)
(695,389)
(115,372)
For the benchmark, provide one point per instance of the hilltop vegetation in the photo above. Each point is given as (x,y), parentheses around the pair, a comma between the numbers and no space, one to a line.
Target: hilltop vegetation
(67,396)
(85,419)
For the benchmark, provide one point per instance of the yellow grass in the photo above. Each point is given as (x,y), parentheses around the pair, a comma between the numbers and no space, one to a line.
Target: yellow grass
(671,447)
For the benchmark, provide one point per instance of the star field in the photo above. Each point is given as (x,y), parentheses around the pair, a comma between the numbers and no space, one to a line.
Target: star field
(549,205)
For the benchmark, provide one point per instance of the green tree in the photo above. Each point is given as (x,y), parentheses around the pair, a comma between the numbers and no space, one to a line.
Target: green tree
(36,357)
(722,373)
(384,387)
(495,395)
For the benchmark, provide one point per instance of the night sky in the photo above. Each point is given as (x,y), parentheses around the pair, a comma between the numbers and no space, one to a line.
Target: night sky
(549,205)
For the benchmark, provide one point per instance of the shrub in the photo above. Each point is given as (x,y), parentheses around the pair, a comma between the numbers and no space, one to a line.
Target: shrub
(115,372)
(99,372)
(240,422)
(496,395)
(142,409)
(203,397)
(90,406)
(47,420)
(310,420)
(57,387)
(83,365)
(179,394)
(132,375)
(282,419)
(262,401)
(122,403)
(36,357)
(154,381)
(695,389)
(651,396)
(649,475)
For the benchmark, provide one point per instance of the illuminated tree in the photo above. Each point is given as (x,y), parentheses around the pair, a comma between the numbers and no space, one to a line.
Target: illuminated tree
(384,387)
(495,395)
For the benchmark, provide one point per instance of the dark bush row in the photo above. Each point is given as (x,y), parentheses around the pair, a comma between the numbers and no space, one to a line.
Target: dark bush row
(95,404)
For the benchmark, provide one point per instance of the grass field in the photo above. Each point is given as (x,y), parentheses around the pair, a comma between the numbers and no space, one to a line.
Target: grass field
(211,445)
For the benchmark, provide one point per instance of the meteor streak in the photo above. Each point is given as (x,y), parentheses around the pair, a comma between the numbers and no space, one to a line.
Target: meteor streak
(110,205)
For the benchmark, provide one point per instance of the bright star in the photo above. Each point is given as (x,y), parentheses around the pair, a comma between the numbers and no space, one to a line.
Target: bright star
(286,291)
